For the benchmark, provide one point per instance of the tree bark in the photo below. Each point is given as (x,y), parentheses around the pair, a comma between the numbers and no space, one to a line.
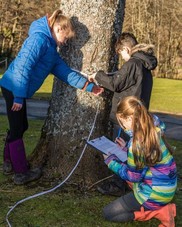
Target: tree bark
(98,23)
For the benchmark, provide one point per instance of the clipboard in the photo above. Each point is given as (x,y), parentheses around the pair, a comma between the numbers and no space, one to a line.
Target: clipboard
(106,146)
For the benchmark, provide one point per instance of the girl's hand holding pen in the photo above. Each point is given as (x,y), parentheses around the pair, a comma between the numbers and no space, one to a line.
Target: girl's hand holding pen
(120,142)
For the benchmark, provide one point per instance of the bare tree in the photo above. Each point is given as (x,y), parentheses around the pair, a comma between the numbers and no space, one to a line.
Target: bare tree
(153,21)
(71,113)
(158,22)
(15,18)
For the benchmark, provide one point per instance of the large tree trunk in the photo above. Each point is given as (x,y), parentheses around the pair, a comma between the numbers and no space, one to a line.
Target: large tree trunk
(71,113)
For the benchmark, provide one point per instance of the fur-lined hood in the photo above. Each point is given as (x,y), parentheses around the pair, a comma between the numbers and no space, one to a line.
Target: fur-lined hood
(145,52)
(148,48)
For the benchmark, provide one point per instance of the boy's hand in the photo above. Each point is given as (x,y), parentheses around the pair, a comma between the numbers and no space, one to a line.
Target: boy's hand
(97,90)
(120,142)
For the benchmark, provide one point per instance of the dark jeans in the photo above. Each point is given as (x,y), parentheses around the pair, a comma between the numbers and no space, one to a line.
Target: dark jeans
(18,122)
(122,209)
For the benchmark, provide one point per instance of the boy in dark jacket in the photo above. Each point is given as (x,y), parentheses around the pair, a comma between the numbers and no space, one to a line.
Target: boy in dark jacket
(134,78)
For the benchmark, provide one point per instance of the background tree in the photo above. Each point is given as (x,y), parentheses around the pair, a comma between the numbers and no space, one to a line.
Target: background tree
(15,19)
(158,22)
(98,24)
(154,21)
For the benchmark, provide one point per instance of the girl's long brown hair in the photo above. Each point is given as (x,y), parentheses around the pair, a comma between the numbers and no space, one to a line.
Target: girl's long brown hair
(145,147)
(63,21)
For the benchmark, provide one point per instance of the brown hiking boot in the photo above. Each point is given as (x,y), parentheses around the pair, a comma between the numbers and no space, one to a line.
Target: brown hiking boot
(115,187)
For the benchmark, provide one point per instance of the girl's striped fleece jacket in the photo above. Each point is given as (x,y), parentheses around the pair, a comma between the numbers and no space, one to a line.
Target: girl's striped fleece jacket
(153,186)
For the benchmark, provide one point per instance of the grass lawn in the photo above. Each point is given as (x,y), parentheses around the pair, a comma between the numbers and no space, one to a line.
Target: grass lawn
(167,96)
(46,89)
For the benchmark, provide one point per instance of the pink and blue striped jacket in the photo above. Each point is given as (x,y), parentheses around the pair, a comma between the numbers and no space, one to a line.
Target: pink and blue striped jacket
(153,186)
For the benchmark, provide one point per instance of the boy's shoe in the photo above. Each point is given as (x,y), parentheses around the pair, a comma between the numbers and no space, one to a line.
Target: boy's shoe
(31,175)
(115,187)
(7,168)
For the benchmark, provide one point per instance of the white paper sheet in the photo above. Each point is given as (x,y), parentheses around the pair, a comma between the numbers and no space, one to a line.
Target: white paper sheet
(108,147)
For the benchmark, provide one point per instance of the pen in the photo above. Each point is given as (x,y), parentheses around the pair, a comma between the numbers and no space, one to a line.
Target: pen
(119,132)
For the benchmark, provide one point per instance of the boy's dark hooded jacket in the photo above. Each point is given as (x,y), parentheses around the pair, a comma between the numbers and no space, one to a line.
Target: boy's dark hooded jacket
(134,78)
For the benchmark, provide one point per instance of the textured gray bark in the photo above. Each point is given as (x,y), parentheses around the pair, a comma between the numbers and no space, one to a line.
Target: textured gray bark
(71,114)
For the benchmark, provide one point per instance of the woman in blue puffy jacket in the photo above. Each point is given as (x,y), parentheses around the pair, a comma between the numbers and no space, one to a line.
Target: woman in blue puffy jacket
(37,58)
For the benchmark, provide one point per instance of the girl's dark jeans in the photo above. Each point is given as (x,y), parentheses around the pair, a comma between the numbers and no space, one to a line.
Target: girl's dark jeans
(18,122)
(122,209)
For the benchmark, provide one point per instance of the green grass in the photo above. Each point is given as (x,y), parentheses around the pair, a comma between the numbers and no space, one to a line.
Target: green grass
(59,209)
(62,207)
(167,96)
(46,89)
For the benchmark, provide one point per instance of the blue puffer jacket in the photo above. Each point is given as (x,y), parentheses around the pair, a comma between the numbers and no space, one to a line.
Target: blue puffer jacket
(37,58)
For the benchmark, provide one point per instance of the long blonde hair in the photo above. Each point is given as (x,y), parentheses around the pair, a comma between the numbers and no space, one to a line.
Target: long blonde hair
(145,147)
(58,18)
